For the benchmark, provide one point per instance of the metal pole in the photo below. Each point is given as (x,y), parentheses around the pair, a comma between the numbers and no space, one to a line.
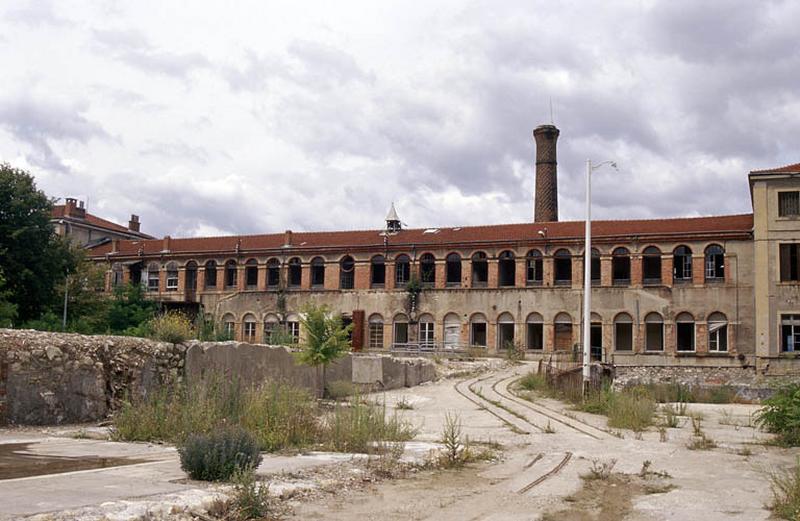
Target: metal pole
(66,295)
(587,280)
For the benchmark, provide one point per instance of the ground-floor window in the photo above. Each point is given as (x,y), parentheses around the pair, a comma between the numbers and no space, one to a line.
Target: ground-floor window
(790,333)
(654,332)
(685,332)
(623,333)
(228,326)
(249,330)
(270,327)
(426,334)
(376,332)
(717,333)
(535,332)
(562,340)
(477,331)
(400,335)
(293,328)
(452,331)
(505,331)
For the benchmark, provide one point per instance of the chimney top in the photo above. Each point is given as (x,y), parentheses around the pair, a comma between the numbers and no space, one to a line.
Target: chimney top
(546,196)
(133,224)
(287,238)
(74,208)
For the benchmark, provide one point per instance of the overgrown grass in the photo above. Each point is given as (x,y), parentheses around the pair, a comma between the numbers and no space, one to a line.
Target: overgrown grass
(786,493)
(675,392)
(533,382)
(278,416)
(781,414)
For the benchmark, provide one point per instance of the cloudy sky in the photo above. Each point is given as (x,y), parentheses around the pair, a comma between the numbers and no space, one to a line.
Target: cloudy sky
(248,117)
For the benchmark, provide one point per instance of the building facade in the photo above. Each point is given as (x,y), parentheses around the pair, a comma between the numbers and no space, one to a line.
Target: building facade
(720,291)
(71,220)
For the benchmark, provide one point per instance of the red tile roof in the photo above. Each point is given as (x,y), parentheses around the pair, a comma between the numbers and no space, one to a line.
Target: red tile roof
(58,213)
(788,169)
(739,225)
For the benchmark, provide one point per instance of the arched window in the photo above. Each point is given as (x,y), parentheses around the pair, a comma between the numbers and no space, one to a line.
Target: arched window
(295,272)
(172,276)
(427,336)
(400,331)
(477,330)
(271,326)
(621,267)
(505,331)
(273,273)
(651,265)
(402,270)
(152,276)
(654,332)
(623,332)
(427,269)
(251,274)
(116,275)
(293,327)
(717,333)
(594,269)
(533,268)
(377,275)
(452,331)
(375,333)
(230,274)
(562,340)
(190,274)
(229,326)
(562,263)
(210,274)
(317,272)
(347,268)
(682,264)
(480,270)
(249,328)
(534,326)
(506,269)
(715,263)
(453,270)
(685,332)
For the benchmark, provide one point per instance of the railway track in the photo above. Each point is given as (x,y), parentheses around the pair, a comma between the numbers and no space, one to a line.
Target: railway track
(544,477)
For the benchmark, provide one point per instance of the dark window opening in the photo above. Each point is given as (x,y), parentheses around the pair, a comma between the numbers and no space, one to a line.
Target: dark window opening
(562,261)
(402,270)
(505,335)
(595,267)
(427,269)
(654,332)
(191,276)
(480,270)
(211,274)
(273,273)
(596,341)
(453,268)
(251,274)
(347,273)
(230,274)
(535,336)
(136,273)
(507,269)
(533,267)
(651,265)
(790,262)
(478,334)
(623,336)
(317,272)
(377,272)
(685,334)
(621,267)
(295,273)
(401,333)
(715,263)
(682,264)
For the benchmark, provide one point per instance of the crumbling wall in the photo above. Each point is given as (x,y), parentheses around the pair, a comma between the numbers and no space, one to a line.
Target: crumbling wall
(747,383)
(53,378)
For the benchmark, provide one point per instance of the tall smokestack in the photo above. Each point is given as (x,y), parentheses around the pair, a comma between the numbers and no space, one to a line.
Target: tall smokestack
(546,196)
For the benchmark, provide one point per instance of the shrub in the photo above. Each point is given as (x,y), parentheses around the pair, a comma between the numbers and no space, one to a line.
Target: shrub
(219,455)
(454,450)
(280,416)
(251,499)
(600,470)
(173,327)
(781,414)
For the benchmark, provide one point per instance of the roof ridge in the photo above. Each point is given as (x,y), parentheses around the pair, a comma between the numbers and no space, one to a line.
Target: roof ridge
(778,168)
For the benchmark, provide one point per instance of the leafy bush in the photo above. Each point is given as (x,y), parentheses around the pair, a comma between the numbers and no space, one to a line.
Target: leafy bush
(173,327)
(781,414)
(219,455)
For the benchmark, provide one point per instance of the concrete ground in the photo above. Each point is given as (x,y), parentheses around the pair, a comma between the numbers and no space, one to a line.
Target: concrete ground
(546,450)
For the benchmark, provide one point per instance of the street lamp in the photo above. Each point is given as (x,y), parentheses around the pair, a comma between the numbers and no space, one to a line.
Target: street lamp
(587,274)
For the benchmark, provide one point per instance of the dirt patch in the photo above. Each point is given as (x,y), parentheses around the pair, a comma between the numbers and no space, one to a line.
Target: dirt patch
(17,461)
(610,498)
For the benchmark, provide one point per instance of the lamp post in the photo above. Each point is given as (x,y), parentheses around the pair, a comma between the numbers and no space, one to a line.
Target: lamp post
(587,274)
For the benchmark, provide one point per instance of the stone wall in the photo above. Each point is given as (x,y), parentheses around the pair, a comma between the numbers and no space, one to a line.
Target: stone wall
(52,378)
(747,383)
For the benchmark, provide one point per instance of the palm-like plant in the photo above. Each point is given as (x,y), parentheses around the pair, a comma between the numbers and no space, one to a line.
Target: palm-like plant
(326,338)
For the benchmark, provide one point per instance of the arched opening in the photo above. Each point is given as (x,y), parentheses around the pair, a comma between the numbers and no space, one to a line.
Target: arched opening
(375,333)
(685,335)
(427,269)
(427,336)
(477,330)
(251,274)
(594,269)
(562,329)
(377,275)
(249,328)
(533,268)
(651,265)
(172,276)
(715,263)
(293,327)
(271,327)
(596,337)
(347,268)
(210,274)
(400,331)
(230,275)
(453,270)
(682,264)
(295,272)
(273,273)
(654,332)
(717,333)
(229,326)
(534,325)
(402,270)
(480,270)
(621,267)
(505,331)
(190,274)
(317,272)
(452,331)
(562,264)
(623,332)
(506,269)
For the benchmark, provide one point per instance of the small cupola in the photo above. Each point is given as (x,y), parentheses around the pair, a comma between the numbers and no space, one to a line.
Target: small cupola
(393,224)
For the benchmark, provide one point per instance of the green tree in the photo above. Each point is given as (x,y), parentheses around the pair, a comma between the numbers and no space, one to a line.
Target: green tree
(326,338)
(129,309)
(32,257)
(8,311)
(87,309)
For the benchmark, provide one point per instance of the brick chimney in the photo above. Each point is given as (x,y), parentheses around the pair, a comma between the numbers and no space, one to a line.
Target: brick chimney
(133,224)
(165,243)
(287,238)
(74,208)
(114,245)
(546,196)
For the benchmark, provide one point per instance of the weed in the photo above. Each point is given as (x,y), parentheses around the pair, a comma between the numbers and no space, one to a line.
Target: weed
(403,404)
(476,352)
(781,414)
(387,463)
(340,389)
(600,469)
(251,500)
(701,442)
(786,493)
(548,429)
(532,382)
(637,435)
(172,326)
(81,434)
(697,426)
(646,472)
(670,416)
(727,418)
(745,451)
(355,426)
(662,434)
(453,455)
(219,455)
